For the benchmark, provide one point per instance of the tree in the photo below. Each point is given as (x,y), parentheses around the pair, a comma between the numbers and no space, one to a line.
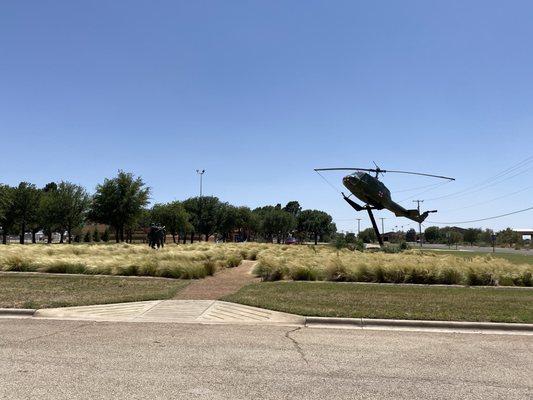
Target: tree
(119,201)
(410,236)
(432,234)
(105,235)
(316,224)
(508,237)
(96,235)
(293,207)
(229,220)
(7,211)
(74,202)
(485,237)
(173,216)
(50,211)
(26,204)
(471,235)
(204,215)
(454,237)
(367,235)
(274,221)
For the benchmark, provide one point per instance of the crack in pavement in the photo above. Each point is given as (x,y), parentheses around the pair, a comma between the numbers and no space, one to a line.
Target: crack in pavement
(56,333)
(296,344)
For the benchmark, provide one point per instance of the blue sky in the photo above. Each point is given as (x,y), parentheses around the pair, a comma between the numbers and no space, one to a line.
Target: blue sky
(261,92)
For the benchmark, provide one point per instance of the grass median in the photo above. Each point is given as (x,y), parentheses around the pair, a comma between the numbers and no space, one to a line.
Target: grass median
(353,300)
(41,291)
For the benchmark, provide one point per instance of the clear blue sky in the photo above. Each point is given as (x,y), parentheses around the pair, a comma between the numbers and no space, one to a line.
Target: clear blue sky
(261,92)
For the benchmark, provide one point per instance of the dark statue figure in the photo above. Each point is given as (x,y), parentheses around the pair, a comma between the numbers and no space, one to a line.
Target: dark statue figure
(156,236)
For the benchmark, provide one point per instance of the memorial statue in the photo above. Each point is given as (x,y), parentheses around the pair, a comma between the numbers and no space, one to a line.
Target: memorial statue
(156,236)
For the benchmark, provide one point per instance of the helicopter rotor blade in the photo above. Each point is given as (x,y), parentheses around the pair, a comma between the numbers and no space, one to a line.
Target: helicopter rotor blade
(345,169)
(419,173)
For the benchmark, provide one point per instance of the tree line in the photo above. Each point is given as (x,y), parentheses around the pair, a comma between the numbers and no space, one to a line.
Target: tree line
(452,235)
(122,204)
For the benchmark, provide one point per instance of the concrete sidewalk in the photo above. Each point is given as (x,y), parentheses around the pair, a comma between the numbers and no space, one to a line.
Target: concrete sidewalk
(182,311)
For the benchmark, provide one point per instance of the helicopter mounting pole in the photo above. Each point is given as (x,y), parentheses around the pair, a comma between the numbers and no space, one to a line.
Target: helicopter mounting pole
(372,219)
(420,223)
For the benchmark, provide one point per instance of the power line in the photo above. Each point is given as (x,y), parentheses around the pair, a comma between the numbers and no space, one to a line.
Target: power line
(491,200)
(481,219)
(490,181)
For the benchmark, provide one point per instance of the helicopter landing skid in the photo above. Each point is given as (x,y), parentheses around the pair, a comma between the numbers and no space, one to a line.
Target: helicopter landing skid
(369,209)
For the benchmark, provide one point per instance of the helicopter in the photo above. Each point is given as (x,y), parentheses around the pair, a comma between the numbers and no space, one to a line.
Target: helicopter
(375,195)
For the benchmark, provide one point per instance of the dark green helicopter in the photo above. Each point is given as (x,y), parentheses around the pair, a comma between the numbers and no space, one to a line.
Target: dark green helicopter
(375,195)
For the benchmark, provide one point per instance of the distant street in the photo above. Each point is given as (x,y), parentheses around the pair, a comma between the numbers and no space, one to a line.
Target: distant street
(474,248)
(48,359)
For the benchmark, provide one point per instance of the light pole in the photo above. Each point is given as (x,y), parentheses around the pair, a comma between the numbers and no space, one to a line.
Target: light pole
(201,173)
(358,225)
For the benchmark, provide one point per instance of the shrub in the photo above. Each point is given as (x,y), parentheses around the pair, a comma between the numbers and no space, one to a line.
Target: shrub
(480,278)
(210,267)
(301,273)
(17,262)
(450,276)
(233,261)
(65,267)
(269,271)
(336,271)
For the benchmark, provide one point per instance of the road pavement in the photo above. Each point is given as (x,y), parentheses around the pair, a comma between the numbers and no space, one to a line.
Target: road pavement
(504,250)
(55,359)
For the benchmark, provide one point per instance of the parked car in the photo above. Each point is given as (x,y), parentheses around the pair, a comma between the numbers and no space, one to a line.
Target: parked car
(291,240)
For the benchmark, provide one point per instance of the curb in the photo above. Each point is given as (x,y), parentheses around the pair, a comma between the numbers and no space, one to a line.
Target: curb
(17,311)
(407,323)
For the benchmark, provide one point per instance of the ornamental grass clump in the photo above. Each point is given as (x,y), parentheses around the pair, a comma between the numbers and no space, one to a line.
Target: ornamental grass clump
(412,266)
(189,261)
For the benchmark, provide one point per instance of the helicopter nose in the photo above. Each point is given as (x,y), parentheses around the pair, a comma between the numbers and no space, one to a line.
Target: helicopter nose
(347,180)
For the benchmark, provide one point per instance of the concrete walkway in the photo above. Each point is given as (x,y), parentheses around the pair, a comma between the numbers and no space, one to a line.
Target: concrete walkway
(221,284)
(183,311)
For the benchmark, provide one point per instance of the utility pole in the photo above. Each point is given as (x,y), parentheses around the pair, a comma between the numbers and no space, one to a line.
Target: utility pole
(382,225)
(358,225)
(201,173)
(420,223)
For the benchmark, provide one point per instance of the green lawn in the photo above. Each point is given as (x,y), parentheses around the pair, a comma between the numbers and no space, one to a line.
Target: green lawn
(38,291)
(514,258)
(330,299)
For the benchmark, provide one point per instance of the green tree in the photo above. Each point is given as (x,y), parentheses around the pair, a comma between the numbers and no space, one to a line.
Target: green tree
(173,216)
(275,222)
(96,235)
(367,235)
(471,235)
(87,237)
(432,234)
(454,237)
(508,237)
(204,215)
(485,237)
(229,221)
(7,211)
(316,223)
(26,204)
(74,202)
(50,211)
(293,207)
(105,235)
(410,235)
(119,202)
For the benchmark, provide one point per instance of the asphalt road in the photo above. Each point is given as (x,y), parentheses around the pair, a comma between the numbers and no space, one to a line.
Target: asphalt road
(504,250)
(49,359)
